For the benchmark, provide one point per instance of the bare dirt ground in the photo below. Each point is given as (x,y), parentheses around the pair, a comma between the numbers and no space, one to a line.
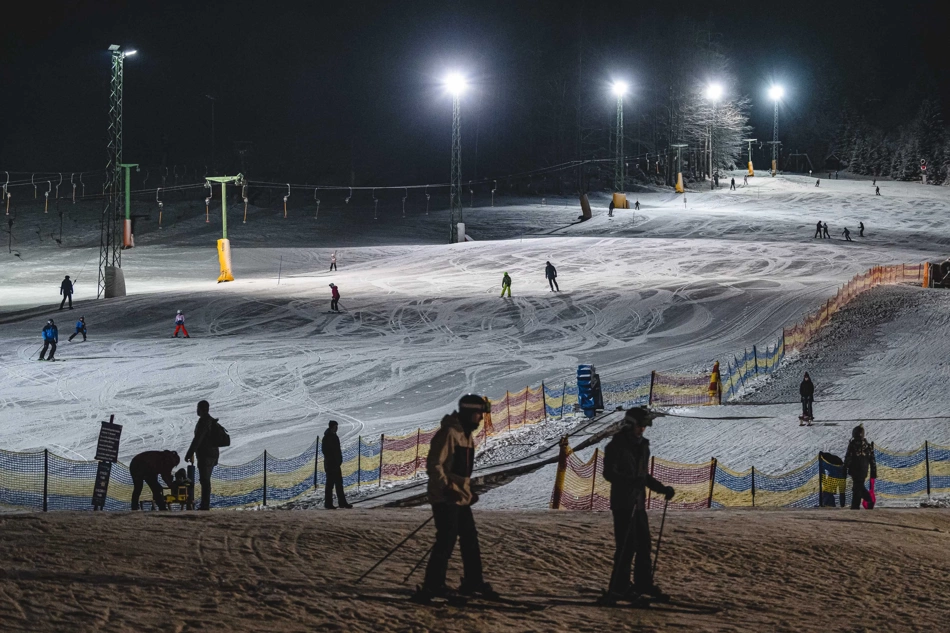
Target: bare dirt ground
(819,570)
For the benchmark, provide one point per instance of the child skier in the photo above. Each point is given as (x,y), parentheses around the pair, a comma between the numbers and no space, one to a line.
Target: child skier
(180,325)
(50,338)
(335,298)
(80,329)
(506,285)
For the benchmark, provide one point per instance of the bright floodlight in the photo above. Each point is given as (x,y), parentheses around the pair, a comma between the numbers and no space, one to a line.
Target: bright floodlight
(455,84)
(714,91)
(619,88)
(129,53)
(776,92)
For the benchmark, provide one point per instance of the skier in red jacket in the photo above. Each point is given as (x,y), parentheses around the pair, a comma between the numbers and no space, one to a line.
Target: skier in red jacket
(334,302)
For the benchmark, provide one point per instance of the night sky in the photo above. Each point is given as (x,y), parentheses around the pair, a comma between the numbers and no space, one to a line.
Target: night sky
(321,88)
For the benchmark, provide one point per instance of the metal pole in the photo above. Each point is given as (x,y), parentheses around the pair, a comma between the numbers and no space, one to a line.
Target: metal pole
(455,203)
(110,253)
(775,140)
(224,208)
(618,166)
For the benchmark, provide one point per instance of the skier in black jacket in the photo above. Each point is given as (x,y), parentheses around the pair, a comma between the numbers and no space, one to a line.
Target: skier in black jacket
(550,272)
(332,464)
(858,461)
(207,451)
(807,391)
(66,289)
(626,467)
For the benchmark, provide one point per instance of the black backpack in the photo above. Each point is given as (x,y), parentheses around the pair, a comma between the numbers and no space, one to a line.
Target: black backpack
(218,436)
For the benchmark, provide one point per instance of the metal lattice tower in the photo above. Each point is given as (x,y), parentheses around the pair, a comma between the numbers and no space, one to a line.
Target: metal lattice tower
(456,178)
(619,175)
(110,251)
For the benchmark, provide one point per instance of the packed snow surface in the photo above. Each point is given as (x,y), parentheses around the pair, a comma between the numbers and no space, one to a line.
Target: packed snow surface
(679,284)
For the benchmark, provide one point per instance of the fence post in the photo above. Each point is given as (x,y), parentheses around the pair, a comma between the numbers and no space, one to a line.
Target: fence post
(753,486)
(508,408)
(359,461)
(415,462)
(544,402)
(926,461)
(652,380)
(382,444)
(593,480)
(712,482)
(755,355)
(316,461)
(563,454)
(524,416)
(821,481)
(563,395)
(46,479)
(264,491)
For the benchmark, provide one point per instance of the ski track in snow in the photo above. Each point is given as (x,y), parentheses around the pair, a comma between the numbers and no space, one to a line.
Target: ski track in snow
(671,288)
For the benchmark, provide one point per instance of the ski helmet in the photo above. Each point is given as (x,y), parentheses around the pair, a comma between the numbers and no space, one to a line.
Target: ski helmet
(179,312)
(50,322)
(332,285)
(471,403)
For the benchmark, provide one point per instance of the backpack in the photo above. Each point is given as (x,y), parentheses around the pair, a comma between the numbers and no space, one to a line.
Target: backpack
(218,436)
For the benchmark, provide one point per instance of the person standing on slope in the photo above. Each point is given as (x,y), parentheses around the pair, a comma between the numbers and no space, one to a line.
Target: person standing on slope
(332,464)
(818,229)
(332,261)
(818,182)
(506,285)
(636,205)
(50,338)
(334,298)
(824,231)
(859,461)
(877,191)
(807,392)
(80,329)
(860,229)
(627,468)
(180,325)
(732,185)
(66,289)
(209,436)
(550,273)
(449,466)
(847,234)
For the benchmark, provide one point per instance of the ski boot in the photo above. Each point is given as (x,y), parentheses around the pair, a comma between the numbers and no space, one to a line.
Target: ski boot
(652,592)
(481,590)
(428,596)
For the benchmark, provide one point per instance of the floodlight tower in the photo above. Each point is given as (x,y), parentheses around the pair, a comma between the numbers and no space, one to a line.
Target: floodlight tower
(456,84)
(111,279)
(775,94)
(619,88)
(713,93)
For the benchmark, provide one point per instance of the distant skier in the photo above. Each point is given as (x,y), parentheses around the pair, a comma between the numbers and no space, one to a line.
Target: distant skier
(66,289)
(745,181)
(874,182)
(847,234)
(824,231)
(334,298)
(807,392)
(627,468)
(180,325)
(80,329)
(636,205)
(858,462)
(732,185)
(506,285)
(877,191)
(145,468)
(860,229)
(550,273)
(818,230)
(836,174)
(333,261)
(332,464)
(818,182)
(50,338)
(449,465)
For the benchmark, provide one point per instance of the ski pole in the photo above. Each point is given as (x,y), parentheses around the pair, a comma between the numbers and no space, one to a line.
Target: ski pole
(393,550)
(421,560)
(36,352)
(659,538)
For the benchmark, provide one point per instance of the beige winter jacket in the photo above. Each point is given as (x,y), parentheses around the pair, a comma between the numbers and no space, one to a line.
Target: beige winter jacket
(450,462)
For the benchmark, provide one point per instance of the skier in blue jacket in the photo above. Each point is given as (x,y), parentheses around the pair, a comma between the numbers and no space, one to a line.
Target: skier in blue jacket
(80,329)
(50,338)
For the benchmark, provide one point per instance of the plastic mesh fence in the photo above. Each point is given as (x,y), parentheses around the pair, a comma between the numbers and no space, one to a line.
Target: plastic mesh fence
(560,399)
(234,486)
(21,480)
(901,475)
(681,389)
(626,394)
(939,469)
(290,478)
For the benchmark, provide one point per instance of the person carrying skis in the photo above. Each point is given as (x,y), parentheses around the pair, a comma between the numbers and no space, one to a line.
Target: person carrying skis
(824,231)
(80,329)
(50,338)
(333,261)
(66,289)
(732,185)
(205,445)
(332,464)
(627,468)
(550,273)
(334,298)
(180,325)
(860,229)
(145,468)
(818,229)
(847,234)
(449,466)
(858,462)
(807,392)
(506,285)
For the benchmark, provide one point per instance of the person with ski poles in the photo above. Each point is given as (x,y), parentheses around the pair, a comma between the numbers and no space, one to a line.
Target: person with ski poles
(334,298)
(550,272)
(332,261)
(859,461)
(807,392)
(180,325)
(66,289)
(732,185)
(449,466)
(50,338)
(80,329)
(627,468)
(506,285)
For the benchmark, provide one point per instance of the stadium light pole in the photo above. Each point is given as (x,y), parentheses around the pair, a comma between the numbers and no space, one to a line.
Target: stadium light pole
(456,84)
(619,88)
(775,94)
(713,93)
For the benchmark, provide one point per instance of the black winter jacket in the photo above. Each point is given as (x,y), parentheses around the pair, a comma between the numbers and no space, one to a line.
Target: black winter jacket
(201,446)
(807,389)
(859,460)
(332,453)
(627,468)
(155,463)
